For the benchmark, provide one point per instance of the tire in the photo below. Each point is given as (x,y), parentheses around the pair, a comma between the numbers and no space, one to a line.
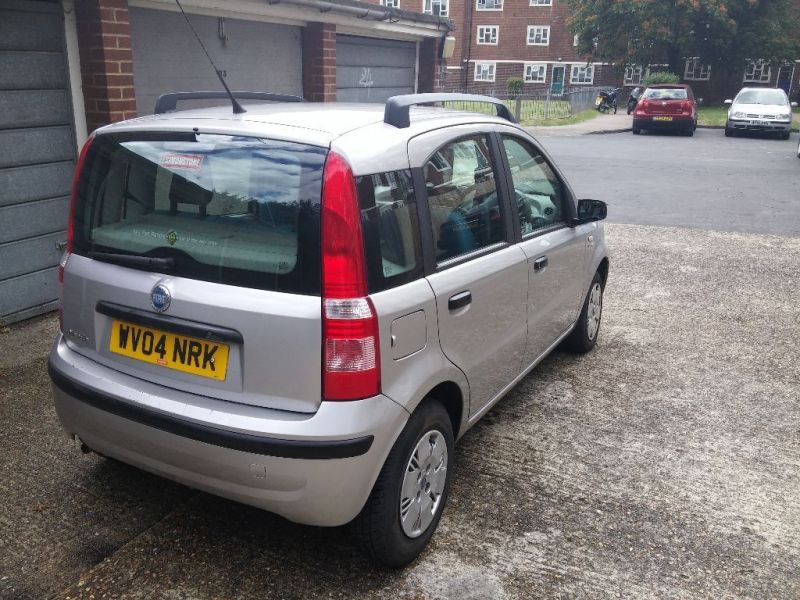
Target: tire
(584,337)
(636,131)
(380,529)
(690,133)
(728,132)
(785,135)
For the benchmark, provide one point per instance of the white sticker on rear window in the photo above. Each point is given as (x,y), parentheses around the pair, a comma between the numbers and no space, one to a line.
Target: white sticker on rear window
(184,162)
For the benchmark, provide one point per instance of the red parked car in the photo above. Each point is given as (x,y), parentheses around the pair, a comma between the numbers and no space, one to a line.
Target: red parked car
(666,107)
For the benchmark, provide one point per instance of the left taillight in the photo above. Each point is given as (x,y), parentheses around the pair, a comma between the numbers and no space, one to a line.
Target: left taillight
(350,343)
(73,201)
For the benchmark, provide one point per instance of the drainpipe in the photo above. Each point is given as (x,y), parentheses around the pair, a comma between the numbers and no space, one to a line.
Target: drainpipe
(465,56)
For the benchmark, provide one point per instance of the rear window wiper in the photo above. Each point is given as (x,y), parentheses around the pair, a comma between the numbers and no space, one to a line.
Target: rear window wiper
(134,261)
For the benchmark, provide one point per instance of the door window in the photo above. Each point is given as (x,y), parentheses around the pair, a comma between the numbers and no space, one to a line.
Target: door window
(462,194)
(539,194)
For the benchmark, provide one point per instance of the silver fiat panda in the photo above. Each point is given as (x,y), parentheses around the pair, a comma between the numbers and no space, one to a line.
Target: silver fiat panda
(302,306)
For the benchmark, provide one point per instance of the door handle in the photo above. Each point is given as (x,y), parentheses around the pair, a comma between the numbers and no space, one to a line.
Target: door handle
(540,263)
(460,300)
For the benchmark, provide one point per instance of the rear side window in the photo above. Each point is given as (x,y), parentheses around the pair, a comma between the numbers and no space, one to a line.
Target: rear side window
(390,228)
(228,209)
(462,196)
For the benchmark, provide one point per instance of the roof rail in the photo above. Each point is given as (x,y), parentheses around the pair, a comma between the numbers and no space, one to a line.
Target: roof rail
(168,102)
(397,107)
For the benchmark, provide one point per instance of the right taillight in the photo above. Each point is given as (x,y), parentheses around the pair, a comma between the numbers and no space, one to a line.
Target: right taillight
(73,201)
(350,353)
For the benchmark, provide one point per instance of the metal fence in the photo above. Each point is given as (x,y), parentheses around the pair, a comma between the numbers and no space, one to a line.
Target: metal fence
(541,106)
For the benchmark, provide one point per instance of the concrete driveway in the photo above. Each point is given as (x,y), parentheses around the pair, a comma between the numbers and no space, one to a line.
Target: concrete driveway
(663,464)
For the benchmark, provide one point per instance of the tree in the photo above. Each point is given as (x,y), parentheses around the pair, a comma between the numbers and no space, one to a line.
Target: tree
(723,33)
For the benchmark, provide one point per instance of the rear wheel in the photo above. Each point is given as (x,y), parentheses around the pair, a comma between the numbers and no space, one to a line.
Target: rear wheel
(690,133)
(584,337)
(407,501)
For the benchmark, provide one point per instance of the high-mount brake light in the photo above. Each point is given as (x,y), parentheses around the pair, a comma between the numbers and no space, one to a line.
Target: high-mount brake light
(73,202)
(350,346)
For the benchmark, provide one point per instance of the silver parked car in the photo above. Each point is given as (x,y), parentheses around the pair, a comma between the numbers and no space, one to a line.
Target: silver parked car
(764,110)
(303,306)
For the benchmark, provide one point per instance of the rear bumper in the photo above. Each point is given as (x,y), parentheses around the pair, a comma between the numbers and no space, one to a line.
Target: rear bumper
(678,123)
(770,126)
(316,469)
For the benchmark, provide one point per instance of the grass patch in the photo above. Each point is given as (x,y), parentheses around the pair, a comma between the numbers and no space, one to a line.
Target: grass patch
(715,116)
(580,117)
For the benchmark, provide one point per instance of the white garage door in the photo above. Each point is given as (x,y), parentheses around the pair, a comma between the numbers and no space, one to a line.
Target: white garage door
(372,70)
(262,57)
(37,153)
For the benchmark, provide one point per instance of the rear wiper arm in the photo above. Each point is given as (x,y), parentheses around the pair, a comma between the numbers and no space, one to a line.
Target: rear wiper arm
(136,262)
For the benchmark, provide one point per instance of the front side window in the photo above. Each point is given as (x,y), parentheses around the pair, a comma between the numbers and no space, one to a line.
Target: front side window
(538,35)
(489,4)
(464,206)
(390,228)
(436,7)
(484,71)
(538,192)
(487,34)
(581,74)
(757,72)
(696,70)
(226,209)
(535,73)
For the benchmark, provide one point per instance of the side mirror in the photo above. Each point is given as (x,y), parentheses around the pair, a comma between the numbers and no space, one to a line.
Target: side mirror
(728,102)
(794,104)
(589,211)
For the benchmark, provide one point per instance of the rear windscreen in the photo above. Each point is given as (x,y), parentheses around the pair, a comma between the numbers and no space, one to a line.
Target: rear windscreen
(666,94)
(227,209)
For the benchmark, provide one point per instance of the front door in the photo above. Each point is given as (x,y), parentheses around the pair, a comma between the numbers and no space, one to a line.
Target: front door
(557,81)
(785,78)
(555,251)
(480,278)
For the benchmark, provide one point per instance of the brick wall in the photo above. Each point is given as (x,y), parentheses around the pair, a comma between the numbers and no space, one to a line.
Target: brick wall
(319,62)
(104,44)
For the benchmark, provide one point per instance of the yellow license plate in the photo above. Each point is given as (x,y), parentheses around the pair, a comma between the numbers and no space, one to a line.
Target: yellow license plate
(662,118)
(179,352)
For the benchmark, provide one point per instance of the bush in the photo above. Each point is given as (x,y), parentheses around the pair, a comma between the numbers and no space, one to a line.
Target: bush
(514,87)
(657,77)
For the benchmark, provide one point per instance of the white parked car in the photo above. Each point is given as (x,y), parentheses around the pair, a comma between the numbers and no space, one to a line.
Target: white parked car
(764,110)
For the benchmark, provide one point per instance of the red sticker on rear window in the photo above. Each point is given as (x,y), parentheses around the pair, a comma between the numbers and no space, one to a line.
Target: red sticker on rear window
(184,162)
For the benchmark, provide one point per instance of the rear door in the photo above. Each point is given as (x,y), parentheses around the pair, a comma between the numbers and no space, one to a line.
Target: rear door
(556,253)
(479,277)
(196,265)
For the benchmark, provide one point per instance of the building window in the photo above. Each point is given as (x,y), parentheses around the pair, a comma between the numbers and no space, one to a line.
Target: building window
(535,72)
(541,2)
(538,35)
(489,4)
(484,71)
(633,75)
(576,40)
(581,74)
(696,70)
(391,3)
(487,34)
(436,7)
(757,72)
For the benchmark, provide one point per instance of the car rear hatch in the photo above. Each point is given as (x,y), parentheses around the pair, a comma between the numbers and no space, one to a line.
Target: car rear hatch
(195,264)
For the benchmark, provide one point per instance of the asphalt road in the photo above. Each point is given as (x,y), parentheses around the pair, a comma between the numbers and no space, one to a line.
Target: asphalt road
(665,464)
(707,181)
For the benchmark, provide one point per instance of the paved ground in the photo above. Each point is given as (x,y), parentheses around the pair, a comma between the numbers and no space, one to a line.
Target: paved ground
(665,464)
(707,181)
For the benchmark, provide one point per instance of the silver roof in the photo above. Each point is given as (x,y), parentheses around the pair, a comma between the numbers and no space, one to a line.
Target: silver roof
(355,130)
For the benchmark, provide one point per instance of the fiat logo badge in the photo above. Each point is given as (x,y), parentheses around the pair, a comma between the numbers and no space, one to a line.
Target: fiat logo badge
(160,298)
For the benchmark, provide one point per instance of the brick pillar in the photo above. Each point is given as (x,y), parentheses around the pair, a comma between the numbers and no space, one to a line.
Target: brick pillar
(319,62)
(104,44)
(429,68)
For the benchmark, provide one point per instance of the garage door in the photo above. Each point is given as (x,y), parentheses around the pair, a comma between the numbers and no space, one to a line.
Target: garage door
(370,70)
(253,55)
(37,152)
